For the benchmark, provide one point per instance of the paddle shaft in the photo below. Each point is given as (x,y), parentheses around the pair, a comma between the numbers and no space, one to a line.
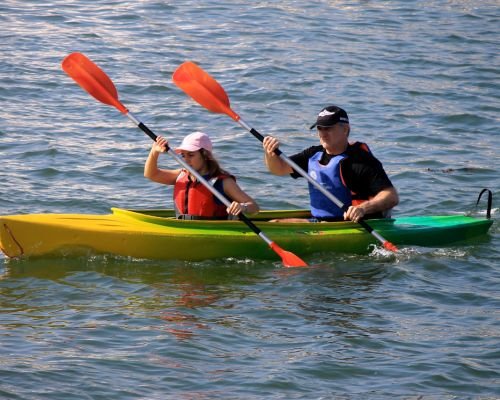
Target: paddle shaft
(205,90)
(312,181)
(214,191)
(95,81)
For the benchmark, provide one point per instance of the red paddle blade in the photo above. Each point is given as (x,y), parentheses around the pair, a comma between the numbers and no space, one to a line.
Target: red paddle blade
(389,246)
(203,89)
(92,79)
(289,259)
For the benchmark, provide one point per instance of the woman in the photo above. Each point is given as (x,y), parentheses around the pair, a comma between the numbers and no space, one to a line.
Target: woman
(192,200)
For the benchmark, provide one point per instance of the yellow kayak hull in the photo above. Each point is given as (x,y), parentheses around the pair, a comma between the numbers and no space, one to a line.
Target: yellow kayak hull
(156,234)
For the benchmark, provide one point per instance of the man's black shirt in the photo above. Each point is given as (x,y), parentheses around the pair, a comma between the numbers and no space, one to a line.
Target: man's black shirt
(363,174)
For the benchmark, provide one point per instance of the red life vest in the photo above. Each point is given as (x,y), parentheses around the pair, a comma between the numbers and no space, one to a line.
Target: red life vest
(193,200)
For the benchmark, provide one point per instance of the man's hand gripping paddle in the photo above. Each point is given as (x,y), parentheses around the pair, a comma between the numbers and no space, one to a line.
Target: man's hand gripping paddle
(205,90)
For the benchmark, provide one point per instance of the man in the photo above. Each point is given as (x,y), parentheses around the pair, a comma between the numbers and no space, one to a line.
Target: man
(347,170)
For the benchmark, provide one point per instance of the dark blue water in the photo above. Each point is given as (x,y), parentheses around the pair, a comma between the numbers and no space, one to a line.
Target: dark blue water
(420,81)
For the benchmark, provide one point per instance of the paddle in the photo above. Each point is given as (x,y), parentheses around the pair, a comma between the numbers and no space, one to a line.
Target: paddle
(206,91)
(95,81)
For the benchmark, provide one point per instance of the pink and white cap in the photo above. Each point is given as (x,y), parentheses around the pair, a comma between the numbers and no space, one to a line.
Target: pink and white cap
(194,142)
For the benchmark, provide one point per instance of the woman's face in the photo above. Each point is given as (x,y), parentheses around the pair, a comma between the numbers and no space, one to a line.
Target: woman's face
(195,160)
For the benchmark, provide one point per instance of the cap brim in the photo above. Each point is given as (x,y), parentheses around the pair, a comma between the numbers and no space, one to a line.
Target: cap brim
(323,126)
(187,148)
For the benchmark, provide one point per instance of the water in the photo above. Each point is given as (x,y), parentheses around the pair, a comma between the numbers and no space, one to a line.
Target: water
(420,82)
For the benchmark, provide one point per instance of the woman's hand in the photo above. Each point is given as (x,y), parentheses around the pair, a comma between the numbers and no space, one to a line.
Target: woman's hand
(235,208)
(160,145)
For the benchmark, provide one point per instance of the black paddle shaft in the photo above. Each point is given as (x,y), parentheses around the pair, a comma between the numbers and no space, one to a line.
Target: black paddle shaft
(254,132)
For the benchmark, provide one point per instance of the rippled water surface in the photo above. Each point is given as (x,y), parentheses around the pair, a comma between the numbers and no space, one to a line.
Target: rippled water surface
(420,81)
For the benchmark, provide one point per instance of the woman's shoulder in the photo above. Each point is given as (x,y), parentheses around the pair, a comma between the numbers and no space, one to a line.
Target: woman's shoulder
(225,175)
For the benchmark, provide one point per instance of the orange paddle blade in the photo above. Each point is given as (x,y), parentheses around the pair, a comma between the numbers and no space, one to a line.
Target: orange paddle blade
(92,79)
(289,259)
(203,89)
(389,246)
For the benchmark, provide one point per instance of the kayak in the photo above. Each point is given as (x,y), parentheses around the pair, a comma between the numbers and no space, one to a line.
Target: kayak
(157,234)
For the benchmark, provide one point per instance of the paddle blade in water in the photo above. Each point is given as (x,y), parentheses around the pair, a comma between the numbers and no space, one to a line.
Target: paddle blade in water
(289,259)
(389,246)
(92,79)
(203,89)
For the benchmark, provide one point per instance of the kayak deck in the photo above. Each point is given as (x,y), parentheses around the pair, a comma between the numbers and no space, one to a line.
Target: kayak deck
(156,234)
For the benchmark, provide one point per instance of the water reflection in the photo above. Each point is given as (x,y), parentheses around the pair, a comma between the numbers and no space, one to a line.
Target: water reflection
(170,292)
